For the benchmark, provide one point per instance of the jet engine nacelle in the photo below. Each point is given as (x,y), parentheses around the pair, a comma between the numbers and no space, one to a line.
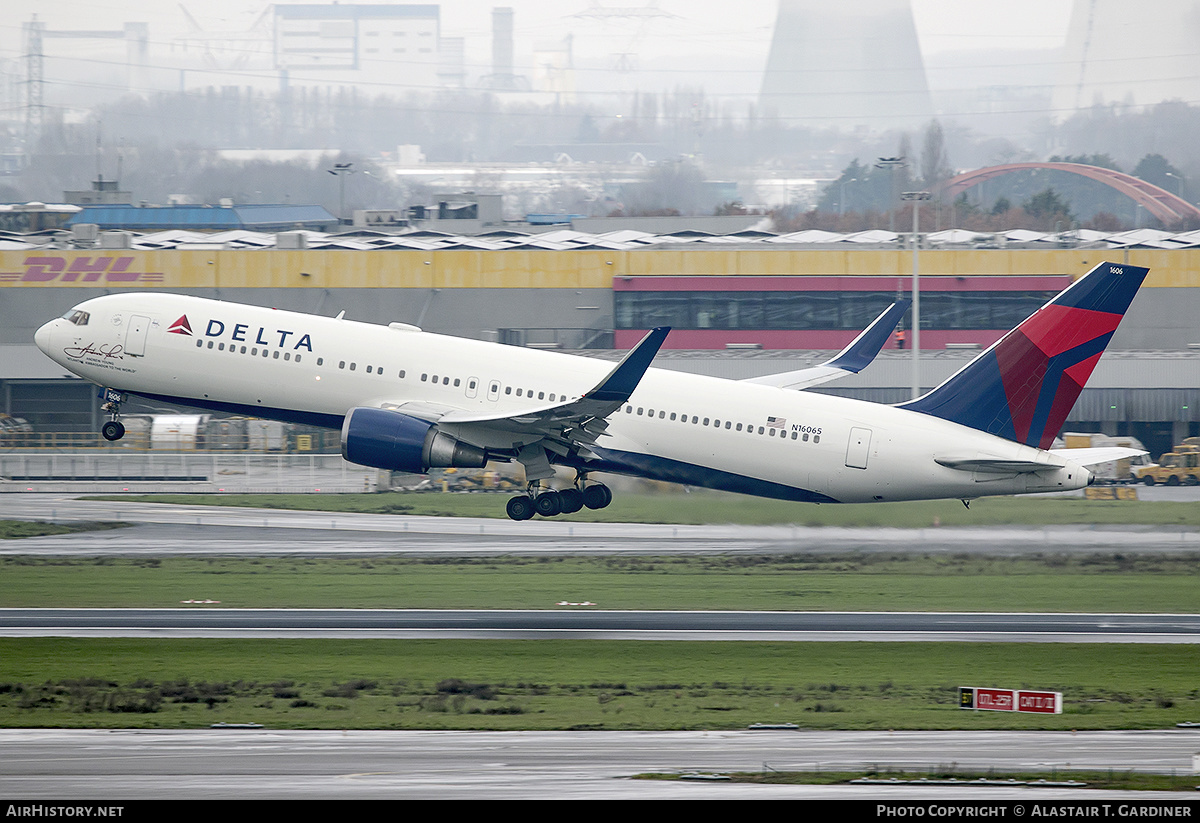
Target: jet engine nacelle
(385,439)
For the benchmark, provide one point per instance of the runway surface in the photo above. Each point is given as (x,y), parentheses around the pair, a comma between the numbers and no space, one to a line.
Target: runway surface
(220,530)
(264,764)
(203,621)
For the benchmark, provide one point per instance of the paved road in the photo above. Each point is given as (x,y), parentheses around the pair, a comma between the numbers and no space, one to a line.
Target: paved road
(207,764)
(205,621)
(219,530)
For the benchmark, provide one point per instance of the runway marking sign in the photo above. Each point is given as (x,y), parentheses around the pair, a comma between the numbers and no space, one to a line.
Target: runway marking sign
(1009,700)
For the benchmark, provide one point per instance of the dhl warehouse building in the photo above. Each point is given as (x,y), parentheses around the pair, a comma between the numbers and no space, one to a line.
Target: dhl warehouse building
(739,308)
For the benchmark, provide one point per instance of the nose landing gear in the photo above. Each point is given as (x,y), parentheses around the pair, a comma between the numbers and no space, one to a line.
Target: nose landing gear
(114,429)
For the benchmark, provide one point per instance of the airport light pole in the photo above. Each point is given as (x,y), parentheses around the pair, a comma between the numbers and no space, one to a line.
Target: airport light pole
(842,200)
(340,170)
(891,164)
(916,198)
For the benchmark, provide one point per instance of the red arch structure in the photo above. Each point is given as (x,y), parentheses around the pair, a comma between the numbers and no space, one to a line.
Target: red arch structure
(1167,207)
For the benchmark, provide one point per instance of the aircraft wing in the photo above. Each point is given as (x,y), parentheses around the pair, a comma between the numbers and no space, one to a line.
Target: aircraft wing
(569,427)
(850,360)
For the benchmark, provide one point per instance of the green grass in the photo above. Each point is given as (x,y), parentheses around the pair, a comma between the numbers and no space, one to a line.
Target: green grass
(701,507)
(590,684)
(867,582)
(16,529)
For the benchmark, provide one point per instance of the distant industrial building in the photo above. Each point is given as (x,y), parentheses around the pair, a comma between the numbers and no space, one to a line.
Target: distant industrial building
(1118,53)
(846,65)
(269,218)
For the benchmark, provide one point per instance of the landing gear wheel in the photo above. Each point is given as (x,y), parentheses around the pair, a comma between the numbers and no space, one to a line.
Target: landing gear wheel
(548,504)
(597,496)
(572,500)
(113,430)
(520,507)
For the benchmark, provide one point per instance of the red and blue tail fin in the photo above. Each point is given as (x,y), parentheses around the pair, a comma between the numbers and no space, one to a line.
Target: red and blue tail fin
(1023,387)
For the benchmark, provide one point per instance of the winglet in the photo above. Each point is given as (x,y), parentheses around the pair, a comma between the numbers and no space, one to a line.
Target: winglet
(864,348)
(850,360)
(622,380)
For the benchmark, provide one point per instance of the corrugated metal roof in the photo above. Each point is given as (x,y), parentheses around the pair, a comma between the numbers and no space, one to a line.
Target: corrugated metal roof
(235,227)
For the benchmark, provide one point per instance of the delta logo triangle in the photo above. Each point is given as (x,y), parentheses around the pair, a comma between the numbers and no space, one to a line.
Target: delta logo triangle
(181,326)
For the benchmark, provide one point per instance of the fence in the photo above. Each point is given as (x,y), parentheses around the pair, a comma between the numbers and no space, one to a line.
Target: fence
(185,471)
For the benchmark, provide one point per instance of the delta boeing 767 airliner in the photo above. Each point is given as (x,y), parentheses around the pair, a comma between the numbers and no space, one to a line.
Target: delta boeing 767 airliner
(409,401)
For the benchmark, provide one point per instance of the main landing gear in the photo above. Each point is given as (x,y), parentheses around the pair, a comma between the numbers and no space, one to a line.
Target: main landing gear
(550,503)
(114,429)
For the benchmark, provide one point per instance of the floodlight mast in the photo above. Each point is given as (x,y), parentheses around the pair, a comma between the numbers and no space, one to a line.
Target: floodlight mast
(916,198)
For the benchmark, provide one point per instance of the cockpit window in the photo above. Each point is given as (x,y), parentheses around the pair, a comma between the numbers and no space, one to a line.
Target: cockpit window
(79,318)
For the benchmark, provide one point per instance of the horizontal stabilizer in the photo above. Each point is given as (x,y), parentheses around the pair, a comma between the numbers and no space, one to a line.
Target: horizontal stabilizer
(996,465)
(850,360)
(1100,454)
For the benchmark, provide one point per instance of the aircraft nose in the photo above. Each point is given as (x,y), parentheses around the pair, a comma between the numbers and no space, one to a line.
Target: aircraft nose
(44,336)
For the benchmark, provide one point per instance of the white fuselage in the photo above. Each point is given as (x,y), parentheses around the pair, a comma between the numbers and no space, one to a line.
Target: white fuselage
(700,430)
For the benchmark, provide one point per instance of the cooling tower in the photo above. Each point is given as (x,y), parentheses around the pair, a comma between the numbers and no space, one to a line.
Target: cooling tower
(848,65)
(1121,52)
